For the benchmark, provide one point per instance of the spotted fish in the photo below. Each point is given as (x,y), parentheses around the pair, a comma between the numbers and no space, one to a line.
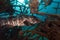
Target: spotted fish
(20,21)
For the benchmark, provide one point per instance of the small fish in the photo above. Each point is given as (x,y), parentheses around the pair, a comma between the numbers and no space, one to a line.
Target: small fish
(24,21)
(34,5)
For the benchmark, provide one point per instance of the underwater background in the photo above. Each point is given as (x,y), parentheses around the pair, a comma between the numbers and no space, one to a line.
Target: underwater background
(23,7)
